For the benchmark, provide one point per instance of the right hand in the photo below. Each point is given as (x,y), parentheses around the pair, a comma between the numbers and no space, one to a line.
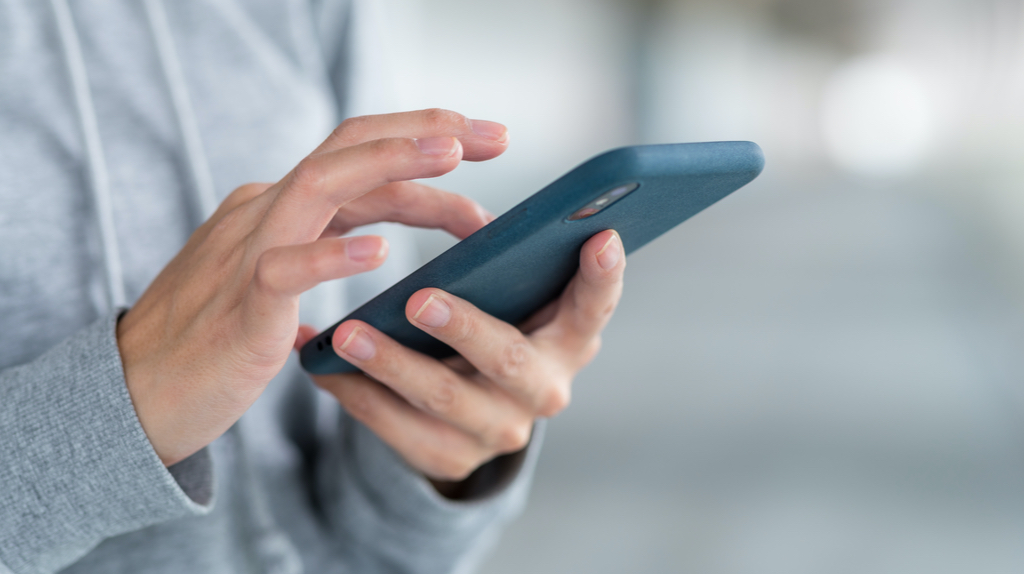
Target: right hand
(220,320)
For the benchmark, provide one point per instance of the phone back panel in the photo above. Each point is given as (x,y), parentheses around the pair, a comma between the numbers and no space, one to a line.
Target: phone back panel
(524,259)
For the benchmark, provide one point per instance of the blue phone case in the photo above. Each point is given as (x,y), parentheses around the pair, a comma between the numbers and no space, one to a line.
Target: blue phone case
(524,259)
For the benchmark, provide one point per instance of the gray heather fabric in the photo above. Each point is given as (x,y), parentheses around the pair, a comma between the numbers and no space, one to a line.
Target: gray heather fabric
(296,485)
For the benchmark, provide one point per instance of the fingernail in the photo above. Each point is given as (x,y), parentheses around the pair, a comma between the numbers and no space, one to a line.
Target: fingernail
(490,130)
(609,255)
(359,345)
(437,146)
(434,313)
(365,248)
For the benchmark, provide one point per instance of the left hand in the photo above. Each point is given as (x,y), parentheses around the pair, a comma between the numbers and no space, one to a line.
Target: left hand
(446,418)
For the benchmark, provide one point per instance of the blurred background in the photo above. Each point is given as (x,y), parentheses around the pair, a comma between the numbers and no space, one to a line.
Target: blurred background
(825,371)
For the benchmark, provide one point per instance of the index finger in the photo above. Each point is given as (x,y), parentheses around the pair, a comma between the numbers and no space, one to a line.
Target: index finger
(310,196)
(414,204)
(482,139)
(501,353)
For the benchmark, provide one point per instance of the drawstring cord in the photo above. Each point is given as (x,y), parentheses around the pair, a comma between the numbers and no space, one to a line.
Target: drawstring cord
(278,554)
(202,180)
(99,178)
(202,188)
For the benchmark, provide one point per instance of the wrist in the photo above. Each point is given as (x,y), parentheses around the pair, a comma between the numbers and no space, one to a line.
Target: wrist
(151,409)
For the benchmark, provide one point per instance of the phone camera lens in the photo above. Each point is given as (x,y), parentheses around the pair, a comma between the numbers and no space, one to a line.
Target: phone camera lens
(583,213)
(603,201)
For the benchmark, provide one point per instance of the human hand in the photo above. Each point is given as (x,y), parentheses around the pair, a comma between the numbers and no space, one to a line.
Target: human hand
(220,320)
(446,418)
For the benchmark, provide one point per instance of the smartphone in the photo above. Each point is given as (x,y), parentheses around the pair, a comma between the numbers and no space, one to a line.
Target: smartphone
(522,260)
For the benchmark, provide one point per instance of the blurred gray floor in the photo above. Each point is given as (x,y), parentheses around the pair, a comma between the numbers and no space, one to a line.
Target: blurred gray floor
(796,382)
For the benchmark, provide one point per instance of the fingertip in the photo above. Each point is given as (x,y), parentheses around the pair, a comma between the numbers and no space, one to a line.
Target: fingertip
(371,249)
(480,218)
(605,249)
(487,141)
(477,151)
(418,300)
(485,216)
(441,154)
(439,146)
(492,131)
(344,331)
(612,253)
(352,339)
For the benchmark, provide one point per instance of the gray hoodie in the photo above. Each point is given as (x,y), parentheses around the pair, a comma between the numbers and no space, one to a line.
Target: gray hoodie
(122,123)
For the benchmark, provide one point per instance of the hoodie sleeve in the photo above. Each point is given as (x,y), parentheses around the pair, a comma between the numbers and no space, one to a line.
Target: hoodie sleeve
(389,518)
(76,466)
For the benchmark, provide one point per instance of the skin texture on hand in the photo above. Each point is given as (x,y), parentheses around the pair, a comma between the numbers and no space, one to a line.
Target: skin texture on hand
(448,417)
(220,320)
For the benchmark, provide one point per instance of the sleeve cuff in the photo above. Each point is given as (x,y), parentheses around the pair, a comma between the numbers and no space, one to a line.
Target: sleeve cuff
(194,476)
(79,466)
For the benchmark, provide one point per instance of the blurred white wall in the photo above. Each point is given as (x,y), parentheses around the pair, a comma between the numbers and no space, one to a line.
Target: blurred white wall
(923,92)
(555,72)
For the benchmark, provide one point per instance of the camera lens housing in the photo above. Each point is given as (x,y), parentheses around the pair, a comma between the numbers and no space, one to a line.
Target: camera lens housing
(603,201)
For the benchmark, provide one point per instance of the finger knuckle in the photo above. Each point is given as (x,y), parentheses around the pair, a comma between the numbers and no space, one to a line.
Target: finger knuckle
(245,193)
(590,351)
(442,398)
(513,360)
(514,437)
(390,150)
(267,274)
(309,175)
(441,120)
(607,311)
(351,128)
(461,331)
(554,400)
